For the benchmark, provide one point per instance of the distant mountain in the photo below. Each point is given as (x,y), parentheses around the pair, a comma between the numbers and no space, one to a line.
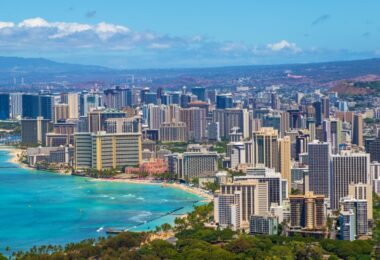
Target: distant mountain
(35,72)
(39,65)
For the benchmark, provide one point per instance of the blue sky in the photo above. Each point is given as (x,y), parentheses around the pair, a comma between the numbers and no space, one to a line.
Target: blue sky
(168,33)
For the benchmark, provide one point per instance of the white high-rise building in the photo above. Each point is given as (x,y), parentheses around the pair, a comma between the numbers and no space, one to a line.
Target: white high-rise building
(16,105)
(347,168)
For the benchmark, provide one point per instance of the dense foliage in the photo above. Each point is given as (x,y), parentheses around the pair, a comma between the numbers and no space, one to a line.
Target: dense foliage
(195,241)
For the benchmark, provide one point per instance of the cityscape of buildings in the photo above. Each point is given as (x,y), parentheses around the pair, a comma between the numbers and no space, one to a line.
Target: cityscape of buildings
(305,161)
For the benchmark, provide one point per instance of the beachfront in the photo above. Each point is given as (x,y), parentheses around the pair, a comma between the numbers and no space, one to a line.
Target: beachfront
(16,154)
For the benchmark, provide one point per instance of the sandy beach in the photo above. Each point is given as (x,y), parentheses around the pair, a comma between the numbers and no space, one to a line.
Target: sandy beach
(197,191)
(16,154)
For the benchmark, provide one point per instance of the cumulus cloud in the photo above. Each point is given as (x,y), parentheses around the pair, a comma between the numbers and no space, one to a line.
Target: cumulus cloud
(6,25)
(282,46)
(321,19)
(37,35)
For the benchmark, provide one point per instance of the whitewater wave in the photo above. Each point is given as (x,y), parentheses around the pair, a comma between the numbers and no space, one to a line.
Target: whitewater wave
(100,229)
(129,195)
(141,217)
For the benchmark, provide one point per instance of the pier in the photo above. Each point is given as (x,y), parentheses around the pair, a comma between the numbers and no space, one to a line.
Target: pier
(113,231)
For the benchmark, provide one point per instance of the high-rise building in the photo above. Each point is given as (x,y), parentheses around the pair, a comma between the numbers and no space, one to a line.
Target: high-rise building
(359,207)
(89,101)
(102,150)
(30,106)
(112,98)
(357,130)
(265,148)
(213,133)
(228,209)
(325,107)
(263,225)
(332,133)
(362,191)
(33,131)
(123,125)
(97,119)
(195,120)
(4,106)
(254,197)
(37,105)
(73,102)
(200,92)
(173,132)
(319,155)
(272,120)
(307,211)
(16,105)
(347,168)
(61,112)
(285,159)
(156,115)
(269,176)
(374,150)
(318,113)
(46,106)
(224,101)
(347,224)
(190,165)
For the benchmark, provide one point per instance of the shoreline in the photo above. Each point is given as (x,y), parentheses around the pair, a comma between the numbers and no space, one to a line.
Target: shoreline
(197,191)
(17,152)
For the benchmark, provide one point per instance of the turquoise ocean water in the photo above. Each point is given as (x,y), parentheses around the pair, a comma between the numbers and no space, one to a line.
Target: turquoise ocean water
(38,207)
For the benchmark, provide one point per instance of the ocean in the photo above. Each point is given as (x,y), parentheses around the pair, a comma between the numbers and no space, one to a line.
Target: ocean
(41,208)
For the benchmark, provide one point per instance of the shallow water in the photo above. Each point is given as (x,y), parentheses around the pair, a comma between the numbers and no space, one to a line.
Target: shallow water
(38,207)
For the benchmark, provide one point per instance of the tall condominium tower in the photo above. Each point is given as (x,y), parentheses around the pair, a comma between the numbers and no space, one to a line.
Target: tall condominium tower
(102,150)
(357,130)
(307,211)
(285,159)
(347,168)
(265,148)
(319,168)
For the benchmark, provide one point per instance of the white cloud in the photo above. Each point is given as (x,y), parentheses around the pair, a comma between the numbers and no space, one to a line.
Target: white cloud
(37,35)
(34,22)
(6,25)
(283,45)
(106,30)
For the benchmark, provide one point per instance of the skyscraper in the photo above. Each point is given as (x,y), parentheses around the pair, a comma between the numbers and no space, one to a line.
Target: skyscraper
(105,151)
(224,101)
(357,130)
(195,119)
(325,107)
(16,105)
(285,159)
(332,133)
(4,106)
(30,106)
(254,197)
(359,207)
(200,92)
(265,148)
(307,211)
(319,168)
(318,113)
(73,102)
(347,168)
(34,106)
(33,131)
